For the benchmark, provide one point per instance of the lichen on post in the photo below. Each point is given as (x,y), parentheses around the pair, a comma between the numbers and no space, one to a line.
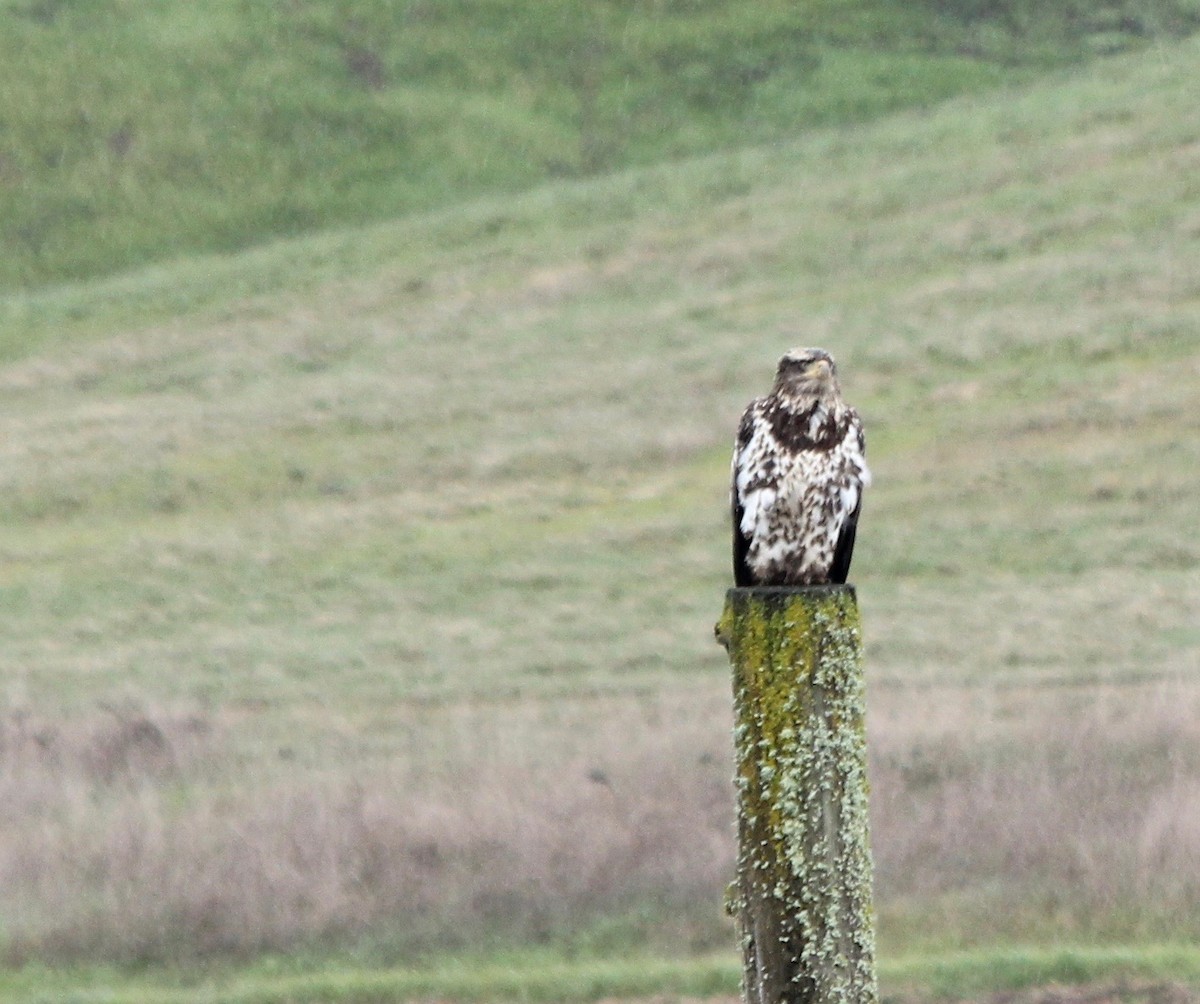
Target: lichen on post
(802,896)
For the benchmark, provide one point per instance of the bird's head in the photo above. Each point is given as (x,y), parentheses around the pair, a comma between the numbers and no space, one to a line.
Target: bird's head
(808,374)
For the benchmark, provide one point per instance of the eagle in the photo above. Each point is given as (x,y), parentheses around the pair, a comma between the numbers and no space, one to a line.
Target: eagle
(799,470)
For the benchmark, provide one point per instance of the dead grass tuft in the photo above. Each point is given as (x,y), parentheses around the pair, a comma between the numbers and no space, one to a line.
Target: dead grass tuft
(118,745)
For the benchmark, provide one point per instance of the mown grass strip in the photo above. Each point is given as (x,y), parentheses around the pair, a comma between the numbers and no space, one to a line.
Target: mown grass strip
(531,979)
(971,973)
(537,978)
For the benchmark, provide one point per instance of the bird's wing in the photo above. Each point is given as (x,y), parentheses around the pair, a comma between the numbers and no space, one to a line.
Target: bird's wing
(844,549)
(741,547)
(741,542)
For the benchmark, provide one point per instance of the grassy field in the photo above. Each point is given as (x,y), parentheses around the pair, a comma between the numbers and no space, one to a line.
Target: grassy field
(132,132)
(1146,975)
(357,591)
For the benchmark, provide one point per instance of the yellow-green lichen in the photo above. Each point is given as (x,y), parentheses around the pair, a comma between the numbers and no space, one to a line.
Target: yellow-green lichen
(802,896)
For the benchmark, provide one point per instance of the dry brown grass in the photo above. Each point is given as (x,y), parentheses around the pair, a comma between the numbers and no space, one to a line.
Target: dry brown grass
(538,820)
(1075,809)
(102,857)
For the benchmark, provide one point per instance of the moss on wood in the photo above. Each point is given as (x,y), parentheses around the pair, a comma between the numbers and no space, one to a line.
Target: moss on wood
(802,897)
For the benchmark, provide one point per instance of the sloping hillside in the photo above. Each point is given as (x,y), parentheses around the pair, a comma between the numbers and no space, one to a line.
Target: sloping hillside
(133,132)
(366,598)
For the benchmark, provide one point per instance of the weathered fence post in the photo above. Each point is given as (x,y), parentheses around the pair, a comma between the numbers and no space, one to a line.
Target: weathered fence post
(802,897)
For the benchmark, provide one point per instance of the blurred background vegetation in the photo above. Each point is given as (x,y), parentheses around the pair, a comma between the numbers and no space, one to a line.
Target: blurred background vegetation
(368,373)
(130,132)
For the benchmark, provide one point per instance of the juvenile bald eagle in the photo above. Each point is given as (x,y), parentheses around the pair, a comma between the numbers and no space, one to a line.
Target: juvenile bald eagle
(798,474)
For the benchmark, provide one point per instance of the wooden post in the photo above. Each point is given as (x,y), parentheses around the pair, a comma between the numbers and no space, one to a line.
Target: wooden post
(802,896)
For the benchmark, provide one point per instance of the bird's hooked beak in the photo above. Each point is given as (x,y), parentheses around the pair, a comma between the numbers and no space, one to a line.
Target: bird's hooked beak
(805,372)
(819,370)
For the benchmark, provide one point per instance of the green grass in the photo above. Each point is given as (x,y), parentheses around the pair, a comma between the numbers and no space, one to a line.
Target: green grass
(531,977)
(968,975)
(539,977)
(430,516)
(134,133)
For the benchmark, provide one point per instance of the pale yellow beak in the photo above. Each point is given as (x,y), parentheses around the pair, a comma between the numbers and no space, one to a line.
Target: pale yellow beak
(820,370)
